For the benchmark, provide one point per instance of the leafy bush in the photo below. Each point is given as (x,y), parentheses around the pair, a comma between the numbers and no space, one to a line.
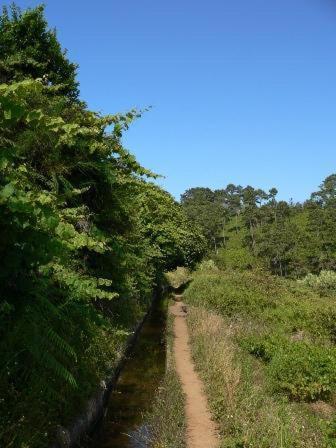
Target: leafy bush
(241,401)
(239,258)
(324,282)
(326,318)
(262,347)
(232,293)
(181,276)
(304,371)
(207,265)
(286,325)
(297,368)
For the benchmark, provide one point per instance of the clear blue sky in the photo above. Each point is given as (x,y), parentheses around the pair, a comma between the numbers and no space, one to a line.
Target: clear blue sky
(243,91)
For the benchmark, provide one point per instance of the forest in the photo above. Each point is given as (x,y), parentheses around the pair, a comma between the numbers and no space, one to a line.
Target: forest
(246,226)
(88,239)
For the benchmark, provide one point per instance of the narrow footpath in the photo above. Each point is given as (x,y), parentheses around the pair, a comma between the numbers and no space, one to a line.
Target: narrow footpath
(201,430)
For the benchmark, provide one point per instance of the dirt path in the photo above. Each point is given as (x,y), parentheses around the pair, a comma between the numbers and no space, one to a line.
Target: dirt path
(201,430)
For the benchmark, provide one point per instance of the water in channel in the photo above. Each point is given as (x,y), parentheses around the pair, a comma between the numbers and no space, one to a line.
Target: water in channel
(124,425)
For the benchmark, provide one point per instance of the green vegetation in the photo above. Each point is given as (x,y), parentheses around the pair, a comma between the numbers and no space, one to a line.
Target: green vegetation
(178,278)
(324,282)
(263,324)
(280,335)
(30,50)
(85,238)
(166,420)
(248,414)
(247,227)
(285,325)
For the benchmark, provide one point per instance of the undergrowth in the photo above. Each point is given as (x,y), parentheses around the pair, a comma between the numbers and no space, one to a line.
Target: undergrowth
(248,414)
(277,337)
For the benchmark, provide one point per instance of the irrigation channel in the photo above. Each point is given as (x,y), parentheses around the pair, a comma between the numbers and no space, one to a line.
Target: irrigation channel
(124,425)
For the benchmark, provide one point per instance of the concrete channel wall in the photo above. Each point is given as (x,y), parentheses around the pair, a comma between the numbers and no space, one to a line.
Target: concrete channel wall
(95,409)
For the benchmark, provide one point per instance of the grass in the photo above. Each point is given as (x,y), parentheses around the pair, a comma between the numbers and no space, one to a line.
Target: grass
(166,420)
(240,400)
(264,347)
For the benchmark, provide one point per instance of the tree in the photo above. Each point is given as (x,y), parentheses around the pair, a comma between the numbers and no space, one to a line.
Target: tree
(84,235)
(326,195)
(28,49)
(277,243)
(252,200)
(231,200)
(202,208)
(322,217)
(176,239)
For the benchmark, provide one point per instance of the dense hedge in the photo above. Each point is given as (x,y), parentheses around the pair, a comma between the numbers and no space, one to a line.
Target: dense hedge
(84,237)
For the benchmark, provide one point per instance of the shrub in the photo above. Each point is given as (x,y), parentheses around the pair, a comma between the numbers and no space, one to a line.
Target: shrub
(324,282)
(303,371)
(179,277)
(207,265)
(327,319)
(262,347)
(232,292)
(239,258)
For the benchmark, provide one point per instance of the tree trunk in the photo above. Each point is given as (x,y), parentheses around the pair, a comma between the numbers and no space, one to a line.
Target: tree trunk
(224,239)
(215,245)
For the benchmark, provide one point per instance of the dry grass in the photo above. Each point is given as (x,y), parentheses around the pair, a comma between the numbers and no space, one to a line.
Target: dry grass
(247,414)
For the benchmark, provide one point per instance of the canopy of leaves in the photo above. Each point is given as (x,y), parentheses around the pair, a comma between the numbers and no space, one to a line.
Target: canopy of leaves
(203,207)
(28,49)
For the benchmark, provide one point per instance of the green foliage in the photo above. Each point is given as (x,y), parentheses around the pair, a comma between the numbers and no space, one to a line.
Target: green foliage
(247,410)
(251,228)
(202,207)
(231,293)
(304,371)
(207,266)
(174,239)
(299,369)
(232,258)
(262,347)
(324,282)
(84,237)
(287,326)
(180,277)
(283,329)
(29,50)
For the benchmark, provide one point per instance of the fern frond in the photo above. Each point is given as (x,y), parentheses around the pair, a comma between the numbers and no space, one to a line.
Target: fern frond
(59,343)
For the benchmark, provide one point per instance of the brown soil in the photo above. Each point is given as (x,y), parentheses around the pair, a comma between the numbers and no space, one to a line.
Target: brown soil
(201,430)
